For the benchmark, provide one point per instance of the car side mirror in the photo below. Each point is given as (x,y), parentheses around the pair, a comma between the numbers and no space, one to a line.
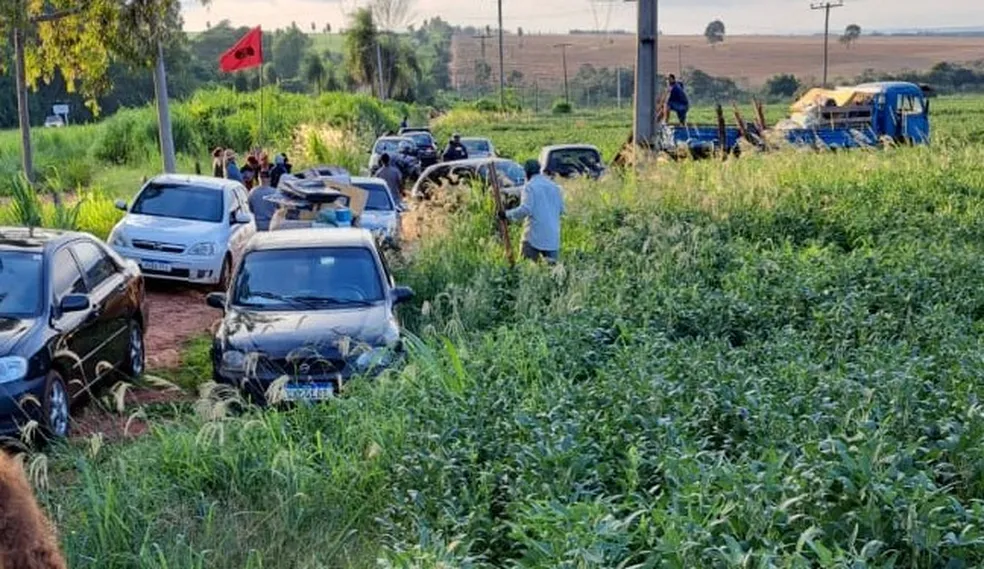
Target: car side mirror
(74,303)
(120,205)
(402,294)
(216,300)
(241,217)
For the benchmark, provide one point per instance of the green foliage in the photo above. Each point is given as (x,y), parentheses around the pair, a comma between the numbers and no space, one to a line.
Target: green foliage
(784,85)
(289,47)
(561,107)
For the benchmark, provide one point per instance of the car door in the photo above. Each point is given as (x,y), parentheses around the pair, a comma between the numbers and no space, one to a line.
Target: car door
(108,294)
(79,335)
(239,233)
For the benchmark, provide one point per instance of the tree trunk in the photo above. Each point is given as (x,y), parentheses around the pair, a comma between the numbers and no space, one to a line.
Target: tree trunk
(23,114)
(164,113)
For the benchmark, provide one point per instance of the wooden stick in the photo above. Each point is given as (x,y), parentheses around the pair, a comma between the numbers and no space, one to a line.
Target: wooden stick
(741,123)
(722,132)
(503,225)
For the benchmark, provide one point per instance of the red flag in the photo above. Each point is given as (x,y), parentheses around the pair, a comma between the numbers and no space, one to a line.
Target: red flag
(247,53)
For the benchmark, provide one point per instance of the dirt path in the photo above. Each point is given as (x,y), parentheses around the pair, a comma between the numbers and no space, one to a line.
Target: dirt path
(177,314)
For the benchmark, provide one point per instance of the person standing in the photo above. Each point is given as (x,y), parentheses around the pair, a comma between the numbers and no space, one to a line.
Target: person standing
(262,208)
(391,174)
(278,170)
(231,169)
(218,168)
(403,123)
(455,149)
(541,206)
(677,101)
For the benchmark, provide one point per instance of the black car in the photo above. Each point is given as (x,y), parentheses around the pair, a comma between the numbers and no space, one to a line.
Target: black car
(72,312)
(316,307)
(426,145)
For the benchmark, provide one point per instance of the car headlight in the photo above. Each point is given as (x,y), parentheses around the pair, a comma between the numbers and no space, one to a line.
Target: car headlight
(117,239)
(374,358)
(234,361)
(12,368)
(202,249)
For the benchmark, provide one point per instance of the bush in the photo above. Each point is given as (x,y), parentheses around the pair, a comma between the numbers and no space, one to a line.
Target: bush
(561,108)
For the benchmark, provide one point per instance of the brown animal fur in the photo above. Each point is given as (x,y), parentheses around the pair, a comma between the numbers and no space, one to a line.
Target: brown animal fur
(27,538)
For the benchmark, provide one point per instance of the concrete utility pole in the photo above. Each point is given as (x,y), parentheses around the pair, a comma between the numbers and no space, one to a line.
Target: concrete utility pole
(502,75)
(644,125)
(826,7)
(563,50)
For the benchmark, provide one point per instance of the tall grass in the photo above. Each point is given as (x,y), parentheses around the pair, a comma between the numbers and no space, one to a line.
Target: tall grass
(770,362)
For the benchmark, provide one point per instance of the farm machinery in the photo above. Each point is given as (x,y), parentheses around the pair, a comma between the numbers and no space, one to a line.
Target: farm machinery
(866,115)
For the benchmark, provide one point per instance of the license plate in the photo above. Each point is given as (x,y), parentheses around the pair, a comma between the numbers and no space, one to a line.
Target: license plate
(308,392)
(156,266)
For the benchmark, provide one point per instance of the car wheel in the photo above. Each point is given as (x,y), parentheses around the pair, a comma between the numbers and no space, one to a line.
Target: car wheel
(225,275)
(136,351)
(56,417)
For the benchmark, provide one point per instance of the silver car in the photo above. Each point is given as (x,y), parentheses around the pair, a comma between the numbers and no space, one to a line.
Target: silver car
(478,147)
(381,215)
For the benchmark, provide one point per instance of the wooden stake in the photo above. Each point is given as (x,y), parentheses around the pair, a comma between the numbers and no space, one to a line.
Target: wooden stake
(503,224)
(722,132)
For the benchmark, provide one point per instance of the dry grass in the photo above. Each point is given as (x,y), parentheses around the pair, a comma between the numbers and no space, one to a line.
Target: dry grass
(750,60)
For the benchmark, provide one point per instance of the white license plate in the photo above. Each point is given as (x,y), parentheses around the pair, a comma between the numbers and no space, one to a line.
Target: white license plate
(309,392)
(156,266)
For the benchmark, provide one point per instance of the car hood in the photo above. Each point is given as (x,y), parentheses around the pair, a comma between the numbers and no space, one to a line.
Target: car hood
(277,333)
(168,229)
(12,331)
(377,219)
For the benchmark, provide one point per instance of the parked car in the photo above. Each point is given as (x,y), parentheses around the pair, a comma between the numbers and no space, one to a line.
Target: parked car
(312,203)
(512,177)
(381,215)
(322,171)
(54,121)
(426,145)
(478,147)
(402,152)
(186,228)
(570,160)
(315,306)
(71,313)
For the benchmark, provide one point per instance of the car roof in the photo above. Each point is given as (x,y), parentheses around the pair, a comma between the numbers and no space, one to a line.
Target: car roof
(310,238)
(554,147)
(368,180)
(23,238)
(208,182)
(485,138)
(471,162)
(415,129)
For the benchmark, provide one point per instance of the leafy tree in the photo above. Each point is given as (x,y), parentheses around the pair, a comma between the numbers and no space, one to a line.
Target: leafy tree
(515,78)
(784,85)
(483,74)
(360,48)
(714,32)
(313,71)
(851,35)
(289,47)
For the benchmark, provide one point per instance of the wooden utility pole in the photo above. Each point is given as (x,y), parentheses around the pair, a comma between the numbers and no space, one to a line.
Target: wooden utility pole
(679,49)
(826,7)
(644,125)
(499,207)
(502,75)
(563,50)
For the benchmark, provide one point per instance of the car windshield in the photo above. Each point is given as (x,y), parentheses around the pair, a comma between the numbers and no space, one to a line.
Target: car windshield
(476,146)
(180,201)
(421,138)
(20,283)
(388,145)
(308,278)
(379,196)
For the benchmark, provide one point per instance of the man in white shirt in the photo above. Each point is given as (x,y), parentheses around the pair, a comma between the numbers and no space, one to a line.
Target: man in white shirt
(541,205)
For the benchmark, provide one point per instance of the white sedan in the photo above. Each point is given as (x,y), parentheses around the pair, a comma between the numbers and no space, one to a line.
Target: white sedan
(186,228)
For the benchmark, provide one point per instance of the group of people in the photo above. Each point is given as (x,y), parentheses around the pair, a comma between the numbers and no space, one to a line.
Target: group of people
(258,176)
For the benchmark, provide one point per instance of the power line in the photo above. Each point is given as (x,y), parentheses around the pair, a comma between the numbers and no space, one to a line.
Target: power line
(826,7)
(680,48)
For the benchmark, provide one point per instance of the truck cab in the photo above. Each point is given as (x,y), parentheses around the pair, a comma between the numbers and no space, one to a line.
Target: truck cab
(901,111)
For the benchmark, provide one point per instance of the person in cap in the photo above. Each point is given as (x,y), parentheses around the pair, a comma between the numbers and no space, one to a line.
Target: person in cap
(231,168)
(262,208)
(391,174)
(541,206)
(455,149)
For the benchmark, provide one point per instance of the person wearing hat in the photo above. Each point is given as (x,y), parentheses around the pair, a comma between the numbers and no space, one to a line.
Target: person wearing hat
(541,206)
(262,208)
(231,169)
(455,149)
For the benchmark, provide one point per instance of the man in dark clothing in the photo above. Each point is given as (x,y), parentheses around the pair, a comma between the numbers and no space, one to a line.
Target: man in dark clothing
(677,101)
(278,170)
(391,174)
(403,124)
(455,149)
(218,167)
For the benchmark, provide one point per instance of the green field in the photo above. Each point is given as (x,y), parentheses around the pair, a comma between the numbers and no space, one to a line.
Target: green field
(771,362)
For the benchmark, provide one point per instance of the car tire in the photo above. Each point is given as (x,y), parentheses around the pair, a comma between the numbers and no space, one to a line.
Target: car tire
(136,351)
(224,275)
(56,407)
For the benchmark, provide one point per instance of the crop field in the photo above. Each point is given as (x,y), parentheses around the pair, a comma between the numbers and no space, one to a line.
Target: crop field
(749,60)
(774,361)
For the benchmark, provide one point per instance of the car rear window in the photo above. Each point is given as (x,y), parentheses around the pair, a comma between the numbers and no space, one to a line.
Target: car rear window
(20,283)
(421,138)
(180,201)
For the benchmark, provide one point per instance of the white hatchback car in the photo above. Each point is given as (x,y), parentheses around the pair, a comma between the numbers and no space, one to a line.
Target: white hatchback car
(186,228)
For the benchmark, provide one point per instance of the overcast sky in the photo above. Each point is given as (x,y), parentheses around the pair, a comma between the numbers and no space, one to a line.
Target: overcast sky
(676,16)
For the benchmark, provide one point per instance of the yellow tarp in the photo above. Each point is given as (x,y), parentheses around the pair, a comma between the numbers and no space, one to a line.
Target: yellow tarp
(817,96)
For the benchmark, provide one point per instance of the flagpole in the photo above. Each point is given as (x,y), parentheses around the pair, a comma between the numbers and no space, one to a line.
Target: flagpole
(260,71)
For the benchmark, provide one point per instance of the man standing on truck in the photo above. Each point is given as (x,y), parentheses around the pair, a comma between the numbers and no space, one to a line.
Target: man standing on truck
(677,101)
(541,205)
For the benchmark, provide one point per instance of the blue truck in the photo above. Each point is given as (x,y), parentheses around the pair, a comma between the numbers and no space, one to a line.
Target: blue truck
(845,117)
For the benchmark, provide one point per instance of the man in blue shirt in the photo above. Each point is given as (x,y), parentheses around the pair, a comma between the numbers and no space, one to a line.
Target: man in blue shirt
(678,101)
(262,208)
(541,205)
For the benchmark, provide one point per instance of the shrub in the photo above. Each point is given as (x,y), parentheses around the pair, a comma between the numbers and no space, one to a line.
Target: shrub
(561,108)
